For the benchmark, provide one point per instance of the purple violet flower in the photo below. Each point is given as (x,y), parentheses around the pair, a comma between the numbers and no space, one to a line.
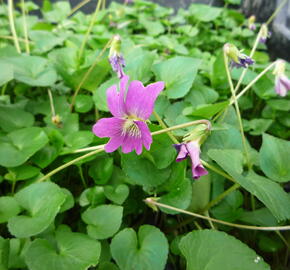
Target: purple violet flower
(191,149)
(282,85)
(237,58)
(130,109)
(244,61)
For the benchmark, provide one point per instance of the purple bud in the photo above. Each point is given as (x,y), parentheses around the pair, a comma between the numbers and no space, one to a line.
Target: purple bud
(117,62)
(282,85)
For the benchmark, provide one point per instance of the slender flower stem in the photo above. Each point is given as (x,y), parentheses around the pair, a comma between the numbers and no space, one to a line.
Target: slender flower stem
(251,55)
(218,171)
(276,12)
(69,164)
(51,103)
(12,25)
(287,244)
(25,28)
(88,73)
(78,6)
(19,39)
(240,226)
(92,22)
(163,125)
(252,83)
(221,196)
(237,109)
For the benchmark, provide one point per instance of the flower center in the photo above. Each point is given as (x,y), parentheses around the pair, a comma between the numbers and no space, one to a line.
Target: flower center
(131,128)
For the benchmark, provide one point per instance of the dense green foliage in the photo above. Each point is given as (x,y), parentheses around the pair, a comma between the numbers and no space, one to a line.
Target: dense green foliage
(92,214)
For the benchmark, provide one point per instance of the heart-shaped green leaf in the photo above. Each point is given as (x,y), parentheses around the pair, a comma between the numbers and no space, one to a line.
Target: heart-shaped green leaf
(23,144)
(274,158)
(117,194)
(73,251)
(206,250)
(41,201)
(103,221)
(148,250)
(8,208)
(178,73)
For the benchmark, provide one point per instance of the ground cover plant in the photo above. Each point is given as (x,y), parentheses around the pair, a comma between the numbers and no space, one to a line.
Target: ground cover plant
(139,138)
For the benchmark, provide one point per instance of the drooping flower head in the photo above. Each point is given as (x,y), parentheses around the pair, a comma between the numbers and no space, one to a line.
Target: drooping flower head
(265,34)
(130,107)
(282,83)
(238,59)
(191,147)
(251,23)
(116,59)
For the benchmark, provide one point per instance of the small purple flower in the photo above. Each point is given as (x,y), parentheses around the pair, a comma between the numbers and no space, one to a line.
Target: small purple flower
(238,59)
(126,2)
(117,62)
(282,85)
(130,109)
(191,149)
(244,61)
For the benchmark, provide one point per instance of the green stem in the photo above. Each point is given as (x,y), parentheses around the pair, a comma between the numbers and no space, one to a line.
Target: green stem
(82,176)
(240,226)
(78,6)
(252,83)
(12,25)
(218,171)
(92,22)
(163,125)
(237,109)
(88,73)
(51,103)
(276,12)
(221,196)
(25,28)
(69,164)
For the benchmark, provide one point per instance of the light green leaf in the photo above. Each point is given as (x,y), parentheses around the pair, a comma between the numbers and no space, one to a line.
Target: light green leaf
(103,221)
(178,73)
(267,191)
(206,250)
(204,13)
(6,74)
(73,251)
(142,171)
(117,194)
(20,148)
(274,158)
(32,70)
(12,118)
(147,250)
(83,104)
(42,201)
(8,208)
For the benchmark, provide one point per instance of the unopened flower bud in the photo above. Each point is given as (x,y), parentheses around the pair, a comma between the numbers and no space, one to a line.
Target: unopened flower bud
(238,59)
(115,57)
(251,22)
(282,83)
(264,33)
(56,120)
